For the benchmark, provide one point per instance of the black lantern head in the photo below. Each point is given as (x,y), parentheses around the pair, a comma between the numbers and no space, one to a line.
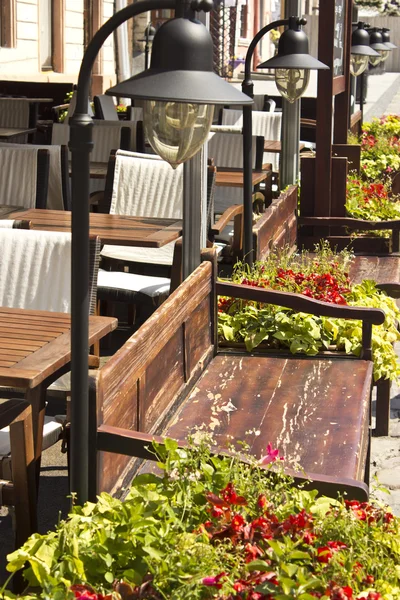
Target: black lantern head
(360,42)
(179,90)
(181,69)
(375,39)
(386,39)
(293,50)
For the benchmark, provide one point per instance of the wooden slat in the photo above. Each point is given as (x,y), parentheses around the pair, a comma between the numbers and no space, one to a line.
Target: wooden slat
(112,229)
(296,405)
(230,178)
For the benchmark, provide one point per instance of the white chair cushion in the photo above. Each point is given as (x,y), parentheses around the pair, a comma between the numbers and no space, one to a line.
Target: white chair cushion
(51,433)
(154,256)
(18,176)
(154,287)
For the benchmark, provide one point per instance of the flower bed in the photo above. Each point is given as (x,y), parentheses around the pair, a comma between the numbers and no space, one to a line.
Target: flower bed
(371,201)
(380,147)
(323,277)
(216,527)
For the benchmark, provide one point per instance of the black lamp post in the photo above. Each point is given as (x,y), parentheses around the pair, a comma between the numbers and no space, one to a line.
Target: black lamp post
(292,64)
(149,34)
(178,89)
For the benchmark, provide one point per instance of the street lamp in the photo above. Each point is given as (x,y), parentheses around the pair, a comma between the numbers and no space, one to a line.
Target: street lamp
(292,63)
(386,38)
(376,43)
(180,73)
(149,34)
(360,51)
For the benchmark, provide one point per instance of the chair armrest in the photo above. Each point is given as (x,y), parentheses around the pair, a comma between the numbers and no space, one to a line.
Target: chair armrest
(96,198)
(368,316)
(225,218)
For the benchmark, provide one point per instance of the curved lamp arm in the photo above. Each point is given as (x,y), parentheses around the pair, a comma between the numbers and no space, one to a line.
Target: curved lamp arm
(247,83)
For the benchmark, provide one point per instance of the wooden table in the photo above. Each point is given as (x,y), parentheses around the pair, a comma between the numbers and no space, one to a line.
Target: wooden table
(121,230)
(273,146)
(234,178)
(8,133)
(34,346)
(97,170)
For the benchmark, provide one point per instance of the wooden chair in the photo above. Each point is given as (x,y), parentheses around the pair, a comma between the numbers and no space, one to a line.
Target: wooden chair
(17,468)
(25,176)
(104,108)
(226,151)
(266,124)
(146,186)
(59,193)
(170,377)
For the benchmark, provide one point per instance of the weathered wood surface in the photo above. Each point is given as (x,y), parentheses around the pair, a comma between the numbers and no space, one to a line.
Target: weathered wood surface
(295,403)
(112,229)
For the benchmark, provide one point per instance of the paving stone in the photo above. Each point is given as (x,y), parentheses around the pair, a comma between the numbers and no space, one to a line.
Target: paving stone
(389,478)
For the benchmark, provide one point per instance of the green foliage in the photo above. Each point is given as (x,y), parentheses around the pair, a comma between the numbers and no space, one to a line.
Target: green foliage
(215,527)
(301,333)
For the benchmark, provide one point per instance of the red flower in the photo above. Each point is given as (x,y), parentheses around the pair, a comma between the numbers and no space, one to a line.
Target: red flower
(84,592)
(230,496)
(324,554)
(237,523)
(262,501)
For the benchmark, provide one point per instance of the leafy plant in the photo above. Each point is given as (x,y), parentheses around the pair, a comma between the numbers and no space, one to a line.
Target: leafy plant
(323,277)
(216,527)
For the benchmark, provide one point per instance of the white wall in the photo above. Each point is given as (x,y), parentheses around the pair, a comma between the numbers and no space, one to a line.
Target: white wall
(22,62)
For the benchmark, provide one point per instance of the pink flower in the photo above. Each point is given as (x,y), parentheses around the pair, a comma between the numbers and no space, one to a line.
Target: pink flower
(270,456)
(214,581)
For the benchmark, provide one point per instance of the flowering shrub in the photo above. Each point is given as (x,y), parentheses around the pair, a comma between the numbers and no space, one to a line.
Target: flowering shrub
(371,201)
(380,147)
(324,277)
(216,527)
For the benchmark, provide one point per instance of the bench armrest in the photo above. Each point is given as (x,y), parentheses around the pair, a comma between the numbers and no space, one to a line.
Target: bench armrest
(135,443)
(368,316)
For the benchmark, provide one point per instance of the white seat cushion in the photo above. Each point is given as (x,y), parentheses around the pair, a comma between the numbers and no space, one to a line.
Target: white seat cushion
(51,434)
(153,287)
(154,256)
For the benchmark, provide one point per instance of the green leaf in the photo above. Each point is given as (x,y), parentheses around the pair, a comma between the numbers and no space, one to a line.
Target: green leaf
(258,565)
(157,554)
(109,577)
(228,332)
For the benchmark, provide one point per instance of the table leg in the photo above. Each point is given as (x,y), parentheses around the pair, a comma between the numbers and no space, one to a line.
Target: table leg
(36,398)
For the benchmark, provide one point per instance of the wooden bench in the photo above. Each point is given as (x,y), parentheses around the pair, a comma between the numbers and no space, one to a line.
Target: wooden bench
(280,227)
(170,376)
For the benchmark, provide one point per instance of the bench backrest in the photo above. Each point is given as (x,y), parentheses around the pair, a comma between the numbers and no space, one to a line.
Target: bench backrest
(141,385)
(278,225)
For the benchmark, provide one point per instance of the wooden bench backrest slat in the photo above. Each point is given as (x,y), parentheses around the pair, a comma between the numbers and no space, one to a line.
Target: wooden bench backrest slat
(138,386)
(278,226)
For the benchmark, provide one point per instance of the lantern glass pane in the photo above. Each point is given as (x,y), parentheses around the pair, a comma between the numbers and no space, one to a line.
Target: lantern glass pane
(375,60)
(292,83)
(384,54)
(176,130)
(358,64)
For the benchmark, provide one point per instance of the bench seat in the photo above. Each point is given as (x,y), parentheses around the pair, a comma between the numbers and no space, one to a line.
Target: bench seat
(316,412)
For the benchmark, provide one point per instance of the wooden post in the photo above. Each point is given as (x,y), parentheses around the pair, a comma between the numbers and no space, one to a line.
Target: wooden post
(334,32)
